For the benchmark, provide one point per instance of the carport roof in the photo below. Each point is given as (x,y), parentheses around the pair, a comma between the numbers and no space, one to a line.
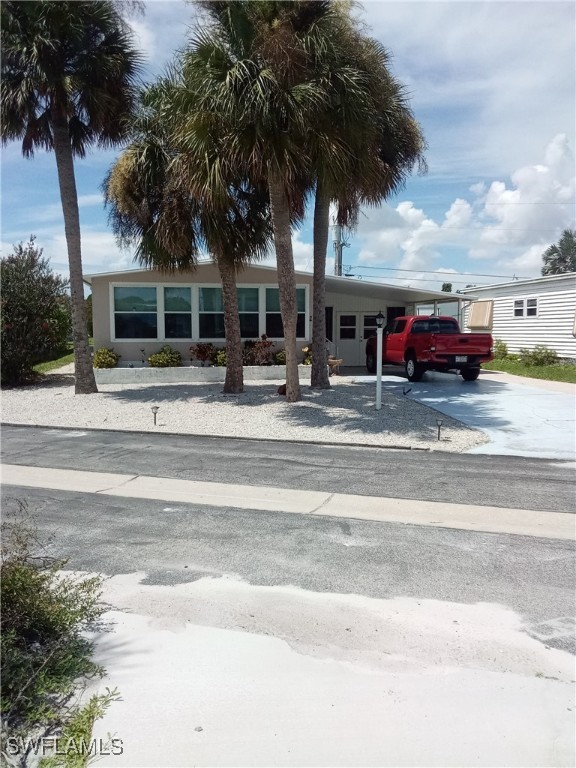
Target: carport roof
(335,284)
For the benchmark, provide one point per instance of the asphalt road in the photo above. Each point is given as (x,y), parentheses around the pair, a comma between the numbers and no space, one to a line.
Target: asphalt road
(180,543)
(500,481)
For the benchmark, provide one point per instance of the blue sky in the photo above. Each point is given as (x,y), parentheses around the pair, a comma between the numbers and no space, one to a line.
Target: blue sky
(492,84)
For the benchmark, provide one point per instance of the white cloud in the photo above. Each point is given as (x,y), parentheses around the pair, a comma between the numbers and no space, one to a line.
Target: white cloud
(488,80)
(506,224)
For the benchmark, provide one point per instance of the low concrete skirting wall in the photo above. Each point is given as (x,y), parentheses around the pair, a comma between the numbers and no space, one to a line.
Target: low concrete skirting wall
(192,374)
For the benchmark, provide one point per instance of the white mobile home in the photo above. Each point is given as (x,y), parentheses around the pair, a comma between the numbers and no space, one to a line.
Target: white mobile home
(526,313)
(137,311)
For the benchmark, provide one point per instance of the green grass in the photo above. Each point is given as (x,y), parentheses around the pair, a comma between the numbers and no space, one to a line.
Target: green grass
(52,365)
(556,372)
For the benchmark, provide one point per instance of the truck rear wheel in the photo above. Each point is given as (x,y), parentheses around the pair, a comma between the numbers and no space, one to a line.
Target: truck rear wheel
(470,374)
(370,362)
(414,371)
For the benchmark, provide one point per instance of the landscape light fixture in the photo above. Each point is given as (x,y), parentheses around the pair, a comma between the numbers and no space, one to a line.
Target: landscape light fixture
(156,408)
(439,423)
(379,326)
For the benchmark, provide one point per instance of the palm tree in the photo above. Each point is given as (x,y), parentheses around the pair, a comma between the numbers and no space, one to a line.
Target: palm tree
(252,65)
(175,202)
(561,257)
(365,145)
(68,82)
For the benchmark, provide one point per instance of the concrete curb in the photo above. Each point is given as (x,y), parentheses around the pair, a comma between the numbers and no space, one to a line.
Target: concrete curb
(224,437)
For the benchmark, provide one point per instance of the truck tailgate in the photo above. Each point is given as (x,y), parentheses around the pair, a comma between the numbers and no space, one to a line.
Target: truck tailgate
(462,343)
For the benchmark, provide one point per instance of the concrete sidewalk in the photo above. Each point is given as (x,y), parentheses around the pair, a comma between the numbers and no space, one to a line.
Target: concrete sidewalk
(554,525)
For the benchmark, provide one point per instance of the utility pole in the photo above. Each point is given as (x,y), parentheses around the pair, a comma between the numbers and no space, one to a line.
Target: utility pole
(338,245)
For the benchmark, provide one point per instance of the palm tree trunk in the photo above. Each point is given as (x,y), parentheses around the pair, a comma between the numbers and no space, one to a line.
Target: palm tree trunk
(85,383)
(234,381)
(286,278)
(319,373)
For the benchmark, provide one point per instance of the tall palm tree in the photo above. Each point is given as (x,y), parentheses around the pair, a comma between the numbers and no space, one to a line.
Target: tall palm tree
(252,64)
(364,147)
(174,203)
(68,83)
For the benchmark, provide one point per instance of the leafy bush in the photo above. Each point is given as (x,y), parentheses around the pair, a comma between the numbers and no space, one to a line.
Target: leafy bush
(280,357)
(203,351)
(45,617)
(219,357)
(500,349)
(258,352)
(104,357)
(540,355)
(166,358)
(35,313)
(307,356)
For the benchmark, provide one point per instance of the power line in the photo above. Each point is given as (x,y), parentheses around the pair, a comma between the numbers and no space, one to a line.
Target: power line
(434,272)
(412,279)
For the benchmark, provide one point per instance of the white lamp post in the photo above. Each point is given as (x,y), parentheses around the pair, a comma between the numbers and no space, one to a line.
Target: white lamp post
(379,327)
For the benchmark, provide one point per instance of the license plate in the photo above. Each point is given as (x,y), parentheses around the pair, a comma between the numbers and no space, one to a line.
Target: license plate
(461,359)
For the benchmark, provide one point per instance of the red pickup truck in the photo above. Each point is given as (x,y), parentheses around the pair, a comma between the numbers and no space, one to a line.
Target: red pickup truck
(431,343)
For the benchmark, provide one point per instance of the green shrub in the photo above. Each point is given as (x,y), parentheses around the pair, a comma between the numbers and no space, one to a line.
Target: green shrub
(219,358)
(280,357)
(104,357)
(307,356)
(540,355)
(45,652)
(35,313)
(166,358)
(500,349)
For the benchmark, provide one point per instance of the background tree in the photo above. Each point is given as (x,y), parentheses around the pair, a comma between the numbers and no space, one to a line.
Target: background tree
(68,77)
(447,287)
(35,312)
(89,318)
(561,258)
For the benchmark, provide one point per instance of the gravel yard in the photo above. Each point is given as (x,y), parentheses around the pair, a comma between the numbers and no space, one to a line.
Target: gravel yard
(343,414)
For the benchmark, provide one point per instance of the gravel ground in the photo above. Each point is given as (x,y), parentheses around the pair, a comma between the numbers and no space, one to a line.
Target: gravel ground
(343,414)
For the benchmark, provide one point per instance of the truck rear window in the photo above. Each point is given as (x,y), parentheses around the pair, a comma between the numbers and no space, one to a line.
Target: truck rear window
(435,325)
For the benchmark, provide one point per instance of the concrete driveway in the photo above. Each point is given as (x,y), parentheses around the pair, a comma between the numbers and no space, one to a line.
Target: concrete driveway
(522,417)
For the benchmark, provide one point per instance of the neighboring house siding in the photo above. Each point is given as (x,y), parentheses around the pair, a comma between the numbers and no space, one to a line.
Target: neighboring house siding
(553,324)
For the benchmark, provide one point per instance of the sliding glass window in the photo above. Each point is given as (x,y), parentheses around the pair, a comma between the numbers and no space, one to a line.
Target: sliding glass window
(135,312)
(177,313)
(211,313)
(249,314)
(274,327)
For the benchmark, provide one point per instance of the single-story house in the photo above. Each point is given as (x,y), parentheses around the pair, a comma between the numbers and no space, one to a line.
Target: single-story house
(137,311)
(526,313)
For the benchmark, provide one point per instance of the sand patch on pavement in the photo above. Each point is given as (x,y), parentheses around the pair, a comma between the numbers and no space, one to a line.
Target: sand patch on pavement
(221,672)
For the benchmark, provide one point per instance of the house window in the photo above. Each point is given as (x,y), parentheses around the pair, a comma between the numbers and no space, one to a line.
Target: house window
(525,307)
(211,313)
(274,327)
(135,312)
(248,310)
(177,313)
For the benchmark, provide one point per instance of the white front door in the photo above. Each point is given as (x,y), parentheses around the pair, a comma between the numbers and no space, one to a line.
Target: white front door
(352,330)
